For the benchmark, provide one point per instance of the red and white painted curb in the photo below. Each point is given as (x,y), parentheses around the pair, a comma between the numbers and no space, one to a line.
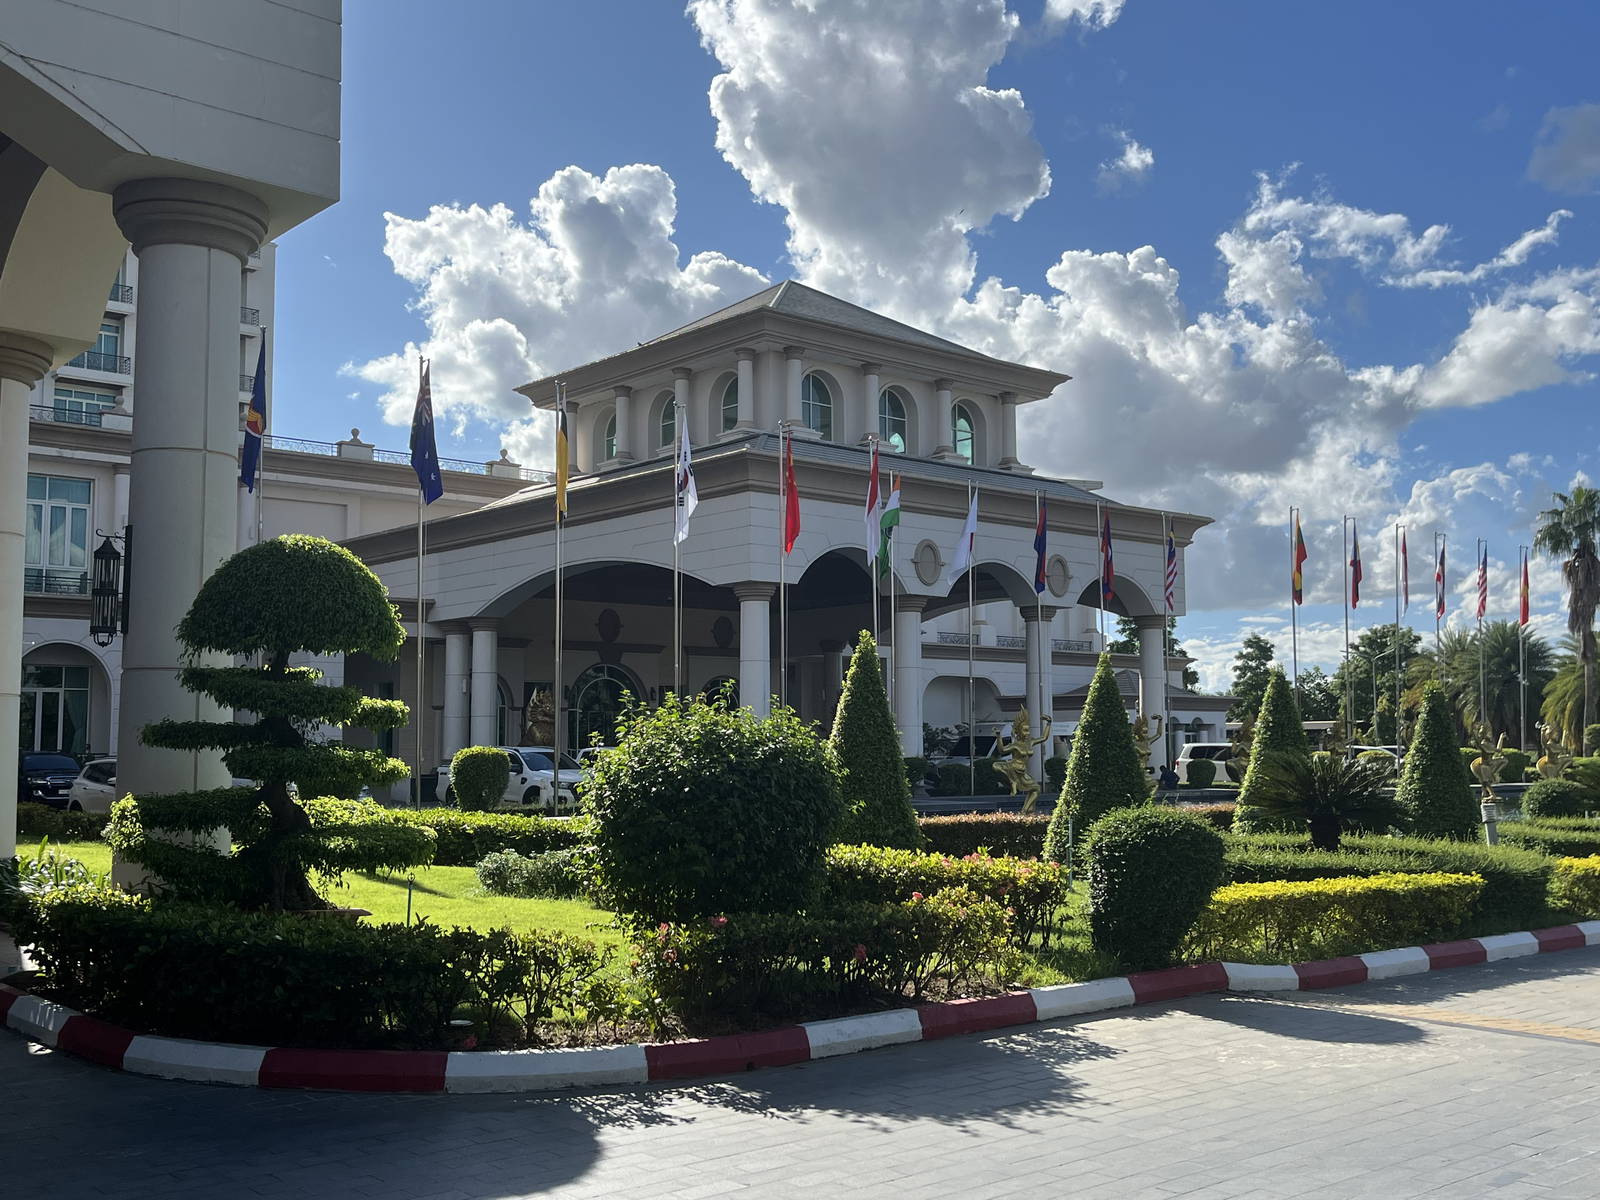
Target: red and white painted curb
(545,1070)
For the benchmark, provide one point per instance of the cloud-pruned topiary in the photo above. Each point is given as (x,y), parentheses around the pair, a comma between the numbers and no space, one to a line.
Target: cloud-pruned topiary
(1278,732)
(1103,770)
(1434,797)
(866,745)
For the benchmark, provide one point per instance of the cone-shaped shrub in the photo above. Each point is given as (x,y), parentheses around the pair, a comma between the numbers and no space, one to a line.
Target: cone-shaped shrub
(872,772)
(1278,732)
(1103,770)
(1434,797)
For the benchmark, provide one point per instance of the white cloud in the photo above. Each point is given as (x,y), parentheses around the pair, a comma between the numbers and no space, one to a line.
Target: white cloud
(1129,168)
(1094,14)
(1566,157)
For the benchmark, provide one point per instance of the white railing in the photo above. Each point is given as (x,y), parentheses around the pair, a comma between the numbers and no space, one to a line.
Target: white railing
(461,465)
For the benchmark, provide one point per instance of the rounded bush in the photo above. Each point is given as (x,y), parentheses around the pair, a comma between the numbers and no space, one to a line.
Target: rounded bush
(700,812)
(1151,872)
(479,775)
(1202,772)
(1055,773)
(1557,798)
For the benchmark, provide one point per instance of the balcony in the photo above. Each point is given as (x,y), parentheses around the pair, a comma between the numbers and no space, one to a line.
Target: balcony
(1010,641)
(250,316)
(121,293)
(61,415)
(93,360)
(331,450)
(55,581)
(247,383)
(1070,646)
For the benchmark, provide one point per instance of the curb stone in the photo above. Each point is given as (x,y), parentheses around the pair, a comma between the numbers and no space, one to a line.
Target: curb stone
(544,1070)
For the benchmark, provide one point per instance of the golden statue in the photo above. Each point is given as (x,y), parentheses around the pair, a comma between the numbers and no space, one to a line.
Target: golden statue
(1490,762)
(539,723)
(1556,758)
(1018,749)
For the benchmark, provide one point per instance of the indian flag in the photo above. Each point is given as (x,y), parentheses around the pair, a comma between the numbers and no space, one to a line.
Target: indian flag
(886,524)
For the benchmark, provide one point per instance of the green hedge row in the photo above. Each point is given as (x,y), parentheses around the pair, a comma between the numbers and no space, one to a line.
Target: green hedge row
(59,825)
(466,838)
(1572,837)
(1010,834)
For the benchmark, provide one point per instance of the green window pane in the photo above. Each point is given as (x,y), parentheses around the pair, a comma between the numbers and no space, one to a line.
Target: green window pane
(75,677)
(36,487)
(78,551)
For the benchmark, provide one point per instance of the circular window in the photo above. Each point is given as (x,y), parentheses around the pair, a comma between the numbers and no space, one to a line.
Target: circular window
(1056,576)
(927,562)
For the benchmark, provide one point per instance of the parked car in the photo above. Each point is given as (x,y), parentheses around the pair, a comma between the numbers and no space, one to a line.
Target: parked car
(574,770)
(95,787)
(44,778)
(1217,752)
(529,786)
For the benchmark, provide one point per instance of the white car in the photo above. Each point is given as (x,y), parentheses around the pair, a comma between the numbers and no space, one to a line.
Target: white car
(529,786)
(96,787)
(1217,752)
(572,774)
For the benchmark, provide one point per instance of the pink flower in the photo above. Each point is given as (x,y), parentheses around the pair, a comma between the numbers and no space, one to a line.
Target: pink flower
(718,922)
(916,895)
(469,1042)
(664,927)
(861,953)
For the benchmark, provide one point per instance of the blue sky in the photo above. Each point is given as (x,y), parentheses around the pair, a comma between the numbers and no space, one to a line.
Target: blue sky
(1269,241)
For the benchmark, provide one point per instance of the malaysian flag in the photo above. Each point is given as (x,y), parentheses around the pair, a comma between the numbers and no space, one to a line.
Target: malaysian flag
(1172,573)
(1483,579)
(1438,580)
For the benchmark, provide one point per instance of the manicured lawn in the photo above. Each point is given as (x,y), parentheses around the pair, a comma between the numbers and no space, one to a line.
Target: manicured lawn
(445,895)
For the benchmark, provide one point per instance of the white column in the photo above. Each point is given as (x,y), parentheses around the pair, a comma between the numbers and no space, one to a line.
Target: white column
(747,389)
(944,447)
(755,645)
(681,377)
(795,366)
(1153,677)
(623,398)
(485,673)
(119,497)
(1036,621)
(908,672)
(192,240)
(869,399)
(457,681)
(1008,430)
(23,362)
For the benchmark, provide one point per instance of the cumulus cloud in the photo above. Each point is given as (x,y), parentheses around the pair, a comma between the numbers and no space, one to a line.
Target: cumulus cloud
(1566,156)
(1129,168)
(1093,14)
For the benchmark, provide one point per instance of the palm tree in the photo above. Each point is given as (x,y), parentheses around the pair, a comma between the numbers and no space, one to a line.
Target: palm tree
(1328,792)
(1501,681)
(1570,531)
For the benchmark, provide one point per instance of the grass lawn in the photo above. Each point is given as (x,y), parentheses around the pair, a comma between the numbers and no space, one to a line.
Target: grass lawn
(445,895)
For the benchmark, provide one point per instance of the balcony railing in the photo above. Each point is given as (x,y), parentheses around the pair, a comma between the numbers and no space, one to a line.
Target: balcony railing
(61,415)
(93,360)
(1071,645)
(122,293)
(255,256)
(1010,641)
(247,383)
(955,639)
(465,467)
(55,581)
(249,316)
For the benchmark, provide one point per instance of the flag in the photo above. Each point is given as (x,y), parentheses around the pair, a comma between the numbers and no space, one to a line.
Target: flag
(563,453)
(874,510)
(791,506)
(1522,615)
(886,524)
(424,450)
(1040,547)
(1297,576)
(1172,573)
(1405,572)
(1107,571)
(1438,583)
(1483,580)
(961,557)
(255,423)
(1355,567)
(686,497)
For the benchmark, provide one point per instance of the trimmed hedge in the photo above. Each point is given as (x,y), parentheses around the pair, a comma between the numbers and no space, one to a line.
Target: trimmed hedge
(1218,816)
(872,773)
(1011,834)
(465,838)
(1434,796)
(478,777)
(1104,770)
(1557,798)
(1032,891)
(1573,837)
(1285,922)
(59,825)
(556,874)
(1576,886)
(979,779)
(1151,871)
(1201,772)
(1278,734)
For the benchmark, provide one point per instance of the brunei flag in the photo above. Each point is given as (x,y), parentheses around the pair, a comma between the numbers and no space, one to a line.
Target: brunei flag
(1297,576)
(563,452)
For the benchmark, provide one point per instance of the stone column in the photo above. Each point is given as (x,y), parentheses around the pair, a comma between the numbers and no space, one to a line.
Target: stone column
(869,403)
(192,240)
(1036,619)
(681,377)
(623,398)
(908,672)
(747,389)
(794,364)
(942,408)
(119,497)
(457,682)
(485,674)
(1008,431)
(23,362)
(1153,678)
(755,645)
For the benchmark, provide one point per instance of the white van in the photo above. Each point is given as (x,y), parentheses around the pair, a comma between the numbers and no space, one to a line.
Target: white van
(1217,752)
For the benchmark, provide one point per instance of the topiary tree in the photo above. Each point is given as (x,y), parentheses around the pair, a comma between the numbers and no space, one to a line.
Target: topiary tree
(1151,872)
(701,811)
(1103,770)
(478,776)
(866,745)
(281,597)
(1557,798)
(1278,731)
(1434,797)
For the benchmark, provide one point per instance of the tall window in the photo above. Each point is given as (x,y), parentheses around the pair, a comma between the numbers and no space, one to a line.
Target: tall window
(816,406)
(961,431)
(610,438)
(110,339)
(82,406)
(668,431)
(55,709)
(730,405)
(56,554)
(892,420)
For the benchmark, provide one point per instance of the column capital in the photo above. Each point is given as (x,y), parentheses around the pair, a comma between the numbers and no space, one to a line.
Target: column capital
(910,604)
(1038,612)
(1150,621)
(23,359)
(1008,397)
(754,590)
(793,352)
(682,373)
(483,624)
(621,392)
(746,354)
(944,385)
(871,368)
(454,627)
(189,212)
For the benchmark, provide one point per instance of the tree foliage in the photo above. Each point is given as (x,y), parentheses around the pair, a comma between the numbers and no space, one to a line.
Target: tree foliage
(1318,696)
(1372,656)
(1127,642)
(1326,794)
(1570,531)
(1252,668)
(1278,735)
(1103,770)
(1434,795)
(478,776)
(866,745)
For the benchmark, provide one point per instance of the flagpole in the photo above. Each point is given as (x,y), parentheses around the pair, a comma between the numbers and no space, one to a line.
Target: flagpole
(1044,648)
(972,713)
(1349,690)
(557,686)
(1099,537)
(1166,645)
(677,556)
(422,686)
(783,564)
(1440,544)
(872,549)
(261,453)
(1294,608)
(894,638)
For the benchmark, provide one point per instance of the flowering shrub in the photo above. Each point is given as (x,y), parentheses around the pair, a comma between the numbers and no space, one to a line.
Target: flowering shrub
(1033,890)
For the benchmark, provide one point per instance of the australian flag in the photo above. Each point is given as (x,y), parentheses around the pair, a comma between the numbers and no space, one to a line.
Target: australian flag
(255,424)
(424,450)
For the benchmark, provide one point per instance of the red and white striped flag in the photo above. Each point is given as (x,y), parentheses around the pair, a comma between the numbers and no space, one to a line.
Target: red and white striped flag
(1172,574)
(1438,580)
(1483,580)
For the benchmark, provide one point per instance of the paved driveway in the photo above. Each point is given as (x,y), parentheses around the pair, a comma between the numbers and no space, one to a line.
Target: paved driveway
(1483,1081)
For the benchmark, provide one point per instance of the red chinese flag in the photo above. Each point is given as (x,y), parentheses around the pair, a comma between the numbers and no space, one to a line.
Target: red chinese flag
(791,508)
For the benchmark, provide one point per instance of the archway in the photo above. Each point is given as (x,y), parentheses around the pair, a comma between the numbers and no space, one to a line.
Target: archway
(599,696)
(66,701)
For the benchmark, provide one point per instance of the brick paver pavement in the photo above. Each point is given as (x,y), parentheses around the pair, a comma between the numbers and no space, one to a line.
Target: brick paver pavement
(1483,1081)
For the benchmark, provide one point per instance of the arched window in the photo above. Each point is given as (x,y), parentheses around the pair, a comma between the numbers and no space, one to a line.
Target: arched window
(667,433)
(961,426)
(892,420)
(722,691)
(598,699)
(816,406)
(610,439)
(503,726)
(730,405)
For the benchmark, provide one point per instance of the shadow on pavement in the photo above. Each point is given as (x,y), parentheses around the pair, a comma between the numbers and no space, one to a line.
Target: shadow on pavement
(1266,1014)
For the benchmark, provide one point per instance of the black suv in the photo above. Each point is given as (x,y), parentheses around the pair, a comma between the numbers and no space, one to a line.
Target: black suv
(45,778)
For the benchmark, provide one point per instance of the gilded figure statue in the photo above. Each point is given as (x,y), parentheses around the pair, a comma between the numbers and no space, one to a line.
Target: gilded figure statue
(1017,750)
(1556,758)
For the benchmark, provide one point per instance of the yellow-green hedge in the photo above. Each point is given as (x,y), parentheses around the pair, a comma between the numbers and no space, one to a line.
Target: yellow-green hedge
(1287,922)
(1575,885)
